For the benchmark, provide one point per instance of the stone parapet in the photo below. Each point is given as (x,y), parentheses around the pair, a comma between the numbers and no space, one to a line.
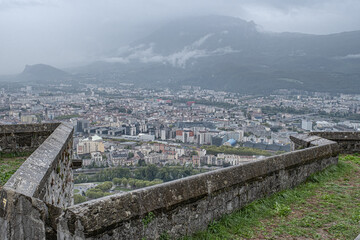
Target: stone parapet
(36,201)
(46,174)
(188,205)
(24,137)
(36,193)
(349,142)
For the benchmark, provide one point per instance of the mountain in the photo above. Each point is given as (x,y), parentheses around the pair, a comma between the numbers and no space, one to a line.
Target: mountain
(227,53)
(41,73)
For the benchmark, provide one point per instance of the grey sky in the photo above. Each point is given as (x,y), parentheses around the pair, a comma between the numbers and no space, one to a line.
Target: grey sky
(64,33)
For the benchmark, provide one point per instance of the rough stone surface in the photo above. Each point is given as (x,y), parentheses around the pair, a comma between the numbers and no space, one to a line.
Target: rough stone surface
(24,137)
(25,217)
(188,205)
(46,174)
(34,196)
(349,142)
(30,207)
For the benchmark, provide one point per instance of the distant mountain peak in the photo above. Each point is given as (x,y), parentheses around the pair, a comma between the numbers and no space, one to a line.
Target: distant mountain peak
(229,53)
(42,68)
(43,73)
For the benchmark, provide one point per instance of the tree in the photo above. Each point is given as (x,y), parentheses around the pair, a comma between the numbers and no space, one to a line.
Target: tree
(139,183)
(226,164)
(81,178)
(247,134)
(124,181)
(132,182)
(151,172)
(193,153)
(130,155)
(106,186)
(79,198)
(117,181)
(94,193)
(141,162)
(156,181)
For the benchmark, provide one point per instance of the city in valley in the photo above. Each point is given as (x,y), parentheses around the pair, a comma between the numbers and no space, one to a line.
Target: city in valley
(128,137)
(179,119)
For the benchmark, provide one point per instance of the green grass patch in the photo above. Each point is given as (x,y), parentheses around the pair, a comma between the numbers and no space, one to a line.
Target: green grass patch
(242,151)
(118,140)
(9,163)
(326,206)
(14,154)
(65,117)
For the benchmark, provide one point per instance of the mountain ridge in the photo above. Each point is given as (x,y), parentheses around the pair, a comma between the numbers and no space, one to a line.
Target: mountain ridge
(42,74)
(227,53)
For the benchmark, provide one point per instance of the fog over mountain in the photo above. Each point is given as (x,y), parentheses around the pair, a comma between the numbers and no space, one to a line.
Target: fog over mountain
(66,33)
(231,54)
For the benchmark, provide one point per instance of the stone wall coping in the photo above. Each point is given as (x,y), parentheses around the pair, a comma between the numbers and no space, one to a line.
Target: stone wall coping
(22,128)
(30,178)
(310,140)
(24,210)
(338,136)
(137,203)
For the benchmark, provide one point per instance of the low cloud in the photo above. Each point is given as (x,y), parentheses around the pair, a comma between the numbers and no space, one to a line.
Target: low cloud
(349,56)
(64,33)
(179,59)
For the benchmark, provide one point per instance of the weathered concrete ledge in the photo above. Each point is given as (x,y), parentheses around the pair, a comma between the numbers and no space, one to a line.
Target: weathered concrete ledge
(24,217)
(302,141)
(188,205)
(30,179)
(35,127)
(35,201)
(349,142)
(34,195)
(24,137)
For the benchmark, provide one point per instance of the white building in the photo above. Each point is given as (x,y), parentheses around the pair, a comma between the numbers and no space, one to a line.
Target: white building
(146,137)
(96,157)
(90,144)
(306,125)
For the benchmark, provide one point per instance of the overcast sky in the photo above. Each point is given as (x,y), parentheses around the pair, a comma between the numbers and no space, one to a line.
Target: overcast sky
(65,33)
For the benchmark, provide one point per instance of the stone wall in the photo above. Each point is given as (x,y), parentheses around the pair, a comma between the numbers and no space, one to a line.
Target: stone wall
(35,202)
(28,218)
(349,142)
(24,137)
(43,185)
(188,205)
